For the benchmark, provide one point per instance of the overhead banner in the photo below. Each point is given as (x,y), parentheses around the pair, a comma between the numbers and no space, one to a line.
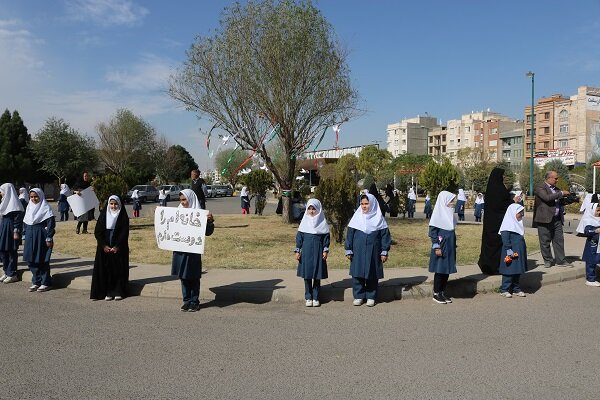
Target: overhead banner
(83,202)
(567,156)
(180,229)
(593,103)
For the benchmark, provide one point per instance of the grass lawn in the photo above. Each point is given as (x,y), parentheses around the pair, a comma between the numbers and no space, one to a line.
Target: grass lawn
(241,241)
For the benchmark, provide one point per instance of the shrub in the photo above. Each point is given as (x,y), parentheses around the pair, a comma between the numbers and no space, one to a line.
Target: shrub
(107,185)
(338,197)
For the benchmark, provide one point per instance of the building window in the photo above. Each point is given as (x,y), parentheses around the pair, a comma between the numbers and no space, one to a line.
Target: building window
(563,143)
(403,141)
(528,146)
(563,115)
(430,139)
(546,115)
(564,128)
(528,132)
(546,145)
(494,130)
(546,129)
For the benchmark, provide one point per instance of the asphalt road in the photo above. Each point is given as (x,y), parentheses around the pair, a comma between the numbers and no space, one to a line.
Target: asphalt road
(61,345)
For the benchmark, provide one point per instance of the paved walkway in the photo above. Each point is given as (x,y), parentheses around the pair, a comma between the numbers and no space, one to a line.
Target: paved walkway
(261,286)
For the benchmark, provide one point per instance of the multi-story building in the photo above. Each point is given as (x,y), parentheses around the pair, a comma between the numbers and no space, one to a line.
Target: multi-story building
(437,141)
(410,135)
(566,128)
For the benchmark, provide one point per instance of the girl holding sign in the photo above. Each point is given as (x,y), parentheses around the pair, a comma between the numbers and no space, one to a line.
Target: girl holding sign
(188,266)
(110,276)
(39,229)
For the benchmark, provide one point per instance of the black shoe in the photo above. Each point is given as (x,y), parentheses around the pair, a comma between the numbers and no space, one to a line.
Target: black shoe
(185,307)
(85,232)
(438,298)
(77,231)
(446,298)
(194,307)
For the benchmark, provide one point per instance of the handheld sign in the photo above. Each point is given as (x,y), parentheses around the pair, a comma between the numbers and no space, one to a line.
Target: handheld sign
(180,229)
(83,202)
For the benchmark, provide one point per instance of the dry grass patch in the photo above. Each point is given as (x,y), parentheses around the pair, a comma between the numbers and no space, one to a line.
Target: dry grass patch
(265,242)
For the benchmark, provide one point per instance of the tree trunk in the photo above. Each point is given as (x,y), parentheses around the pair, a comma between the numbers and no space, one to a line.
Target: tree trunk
(286,214)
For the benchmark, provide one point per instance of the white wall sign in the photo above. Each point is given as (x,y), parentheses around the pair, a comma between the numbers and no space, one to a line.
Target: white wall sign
(83,202)
(180,229)
(593,103)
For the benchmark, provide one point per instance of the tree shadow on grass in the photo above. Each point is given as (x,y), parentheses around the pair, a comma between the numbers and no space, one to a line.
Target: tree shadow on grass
(256,292)
(388,290)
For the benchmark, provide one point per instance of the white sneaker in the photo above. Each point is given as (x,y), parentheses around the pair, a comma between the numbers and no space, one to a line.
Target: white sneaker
(370,302)
(357,302)
(43,288)
(33,288)
(316,303)
(506,294)
(520,294)
(117,298)
(108,298)
(11,279)
(3,277)
(309,303)
(595,284)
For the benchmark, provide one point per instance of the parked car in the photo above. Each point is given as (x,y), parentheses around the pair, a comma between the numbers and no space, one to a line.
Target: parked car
(172,191)
(209,191)
(222,190)
(145,193)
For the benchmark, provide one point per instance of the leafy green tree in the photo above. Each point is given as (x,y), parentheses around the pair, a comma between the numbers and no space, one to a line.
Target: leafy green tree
(373,161)
(272,71)
(538,176)
(176,164)
(338,197)
(16,160)
(108,185)
(258,182)
(589,175)
(564,180)
(408,167)
(437,177)
(129,147)
(227,162)
(62,151)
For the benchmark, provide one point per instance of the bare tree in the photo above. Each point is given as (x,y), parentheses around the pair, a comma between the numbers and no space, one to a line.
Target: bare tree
(272,71)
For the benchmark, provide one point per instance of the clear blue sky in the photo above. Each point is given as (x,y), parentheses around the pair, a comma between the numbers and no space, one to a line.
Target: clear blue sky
(81,60)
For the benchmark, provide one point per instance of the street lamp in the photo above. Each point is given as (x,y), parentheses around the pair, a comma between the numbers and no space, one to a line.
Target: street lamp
(532,75)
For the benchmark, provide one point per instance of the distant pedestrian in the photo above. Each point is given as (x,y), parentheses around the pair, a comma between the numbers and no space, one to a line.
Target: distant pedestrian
(110,276)
(11,221)
(391,201)
(199,188)
(63,204)
(590,227)
(162,197)
(39,230)
(83,219)
(312,248)
(428,209)
(513,261)
(23,197)
(368,242)
(245,200)
(412,203)
(375,192)
(188,266)
(442,260)
(461,200)
(137,203)
(479,206)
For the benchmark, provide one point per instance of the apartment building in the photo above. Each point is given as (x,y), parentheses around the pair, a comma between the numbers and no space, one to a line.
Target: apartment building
(410,135)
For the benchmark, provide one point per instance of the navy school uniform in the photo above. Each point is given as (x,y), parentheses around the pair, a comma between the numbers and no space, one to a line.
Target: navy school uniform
(460,209)
(590,255)
(188,267)
(311,265)
(366,264)
(445,240)
(478,211)
(511,273)
(428,209)
(10,224)
(37,253)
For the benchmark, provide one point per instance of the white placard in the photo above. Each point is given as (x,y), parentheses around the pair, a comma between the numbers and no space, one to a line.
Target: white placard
(83,202)
(180,229)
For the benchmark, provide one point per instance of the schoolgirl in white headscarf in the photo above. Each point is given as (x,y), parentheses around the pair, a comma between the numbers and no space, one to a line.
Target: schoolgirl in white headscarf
(442,260)
(245,200)
(478,208)
(188,266)
(39,231)
(460,204)
(513,261)
(312,248)
(412,202)
(11,224)
(590,228)
(367,245)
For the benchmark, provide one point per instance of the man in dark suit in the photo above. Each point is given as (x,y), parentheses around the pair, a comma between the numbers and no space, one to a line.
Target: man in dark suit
(548,218)
(199,187)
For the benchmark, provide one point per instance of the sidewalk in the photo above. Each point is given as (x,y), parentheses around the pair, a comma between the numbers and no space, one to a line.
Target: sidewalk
(262,286)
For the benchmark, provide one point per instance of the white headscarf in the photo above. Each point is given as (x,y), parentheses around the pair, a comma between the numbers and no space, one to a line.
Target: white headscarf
(244,192)
(411,194)
(191,198)
(371,221)
(23,194)
(443,216)
(586,202)
(316,225)
(510,222)
(111,216)
(428,197)
(135,194)
(589,218)
(518,193)
(461,195)
(64,189)
(479,200)
(36,213)
(10,202)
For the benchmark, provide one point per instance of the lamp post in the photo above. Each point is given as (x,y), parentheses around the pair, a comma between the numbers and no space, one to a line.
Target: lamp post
(532,75)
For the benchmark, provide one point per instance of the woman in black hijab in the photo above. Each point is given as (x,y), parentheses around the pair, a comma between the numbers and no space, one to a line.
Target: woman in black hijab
(497,200)
(375,192)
